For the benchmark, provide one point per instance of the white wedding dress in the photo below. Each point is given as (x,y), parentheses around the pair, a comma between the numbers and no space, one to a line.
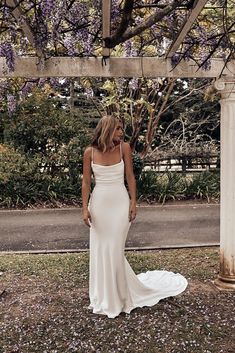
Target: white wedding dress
(113,285)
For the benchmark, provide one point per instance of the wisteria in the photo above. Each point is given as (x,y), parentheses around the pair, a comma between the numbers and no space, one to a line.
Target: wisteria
(60,28)
(115,12)
(6,50)
(11,104)
(79,13)
(88,45)
(130,48)
(6,13)
(47,7)
(206,64)
(70,46)
(58,15)
(74,28)
(84,41)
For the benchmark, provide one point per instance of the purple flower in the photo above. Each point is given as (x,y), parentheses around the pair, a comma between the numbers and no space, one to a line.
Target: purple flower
(129,48)
(6,13)
(88,45)
(207,65)
(79,13)
(70,46)
(11,103)
(61,11)
(6,50)
(47,7)
(115,12)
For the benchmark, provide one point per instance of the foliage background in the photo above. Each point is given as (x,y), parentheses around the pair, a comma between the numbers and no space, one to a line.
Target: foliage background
(43,140)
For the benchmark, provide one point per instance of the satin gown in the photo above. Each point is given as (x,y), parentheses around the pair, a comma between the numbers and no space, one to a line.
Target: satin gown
(113,285)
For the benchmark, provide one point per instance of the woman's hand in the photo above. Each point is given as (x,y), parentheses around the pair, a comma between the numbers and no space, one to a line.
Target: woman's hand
(132,211)
(86,217)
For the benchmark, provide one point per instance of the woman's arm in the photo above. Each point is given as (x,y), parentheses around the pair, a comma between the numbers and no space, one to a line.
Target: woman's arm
(86,185)
(130,177)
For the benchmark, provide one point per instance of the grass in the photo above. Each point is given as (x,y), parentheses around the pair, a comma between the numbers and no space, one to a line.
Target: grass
(44,307)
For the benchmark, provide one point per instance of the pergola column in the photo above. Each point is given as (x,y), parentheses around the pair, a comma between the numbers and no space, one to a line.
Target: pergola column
(226,277)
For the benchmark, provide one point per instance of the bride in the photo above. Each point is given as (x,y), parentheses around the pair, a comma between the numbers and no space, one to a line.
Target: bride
(108,211)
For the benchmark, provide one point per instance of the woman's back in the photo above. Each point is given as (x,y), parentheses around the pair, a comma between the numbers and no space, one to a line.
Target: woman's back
(108,174)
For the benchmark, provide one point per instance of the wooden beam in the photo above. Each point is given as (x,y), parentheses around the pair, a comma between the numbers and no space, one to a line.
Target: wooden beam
(186,27)
(115,67)
(106,24)
(20,18)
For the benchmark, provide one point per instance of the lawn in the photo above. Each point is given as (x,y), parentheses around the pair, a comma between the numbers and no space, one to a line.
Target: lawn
(45,297)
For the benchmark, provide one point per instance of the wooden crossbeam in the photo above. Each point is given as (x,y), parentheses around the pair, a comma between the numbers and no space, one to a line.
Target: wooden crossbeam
(115,67)
(106,24)
(21,20)
(186,27)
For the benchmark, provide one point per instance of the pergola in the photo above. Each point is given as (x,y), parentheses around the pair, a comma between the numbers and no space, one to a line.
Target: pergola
(107,66)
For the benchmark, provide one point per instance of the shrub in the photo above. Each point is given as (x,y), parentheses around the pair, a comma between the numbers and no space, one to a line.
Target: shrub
(23,184)
(171,186)
(161,187)
(204,185)
(147,186)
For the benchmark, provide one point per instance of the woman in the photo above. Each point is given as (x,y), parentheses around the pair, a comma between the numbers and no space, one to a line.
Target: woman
(109,211)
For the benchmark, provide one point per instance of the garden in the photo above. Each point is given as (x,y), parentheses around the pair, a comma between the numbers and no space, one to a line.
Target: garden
(157,66)
(42,144)
(46,121)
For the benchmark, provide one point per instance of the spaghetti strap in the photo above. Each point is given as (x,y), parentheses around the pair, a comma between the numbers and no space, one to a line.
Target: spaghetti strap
(121,149)
(92,154)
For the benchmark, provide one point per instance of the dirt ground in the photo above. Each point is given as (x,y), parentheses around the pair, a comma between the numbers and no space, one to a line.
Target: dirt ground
(44,307)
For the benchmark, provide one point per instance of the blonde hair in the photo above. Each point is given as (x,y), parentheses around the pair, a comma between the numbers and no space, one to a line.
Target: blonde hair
(104,132)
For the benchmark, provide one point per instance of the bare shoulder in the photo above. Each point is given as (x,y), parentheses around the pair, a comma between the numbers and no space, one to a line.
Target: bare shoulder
(87,152)
(126,147)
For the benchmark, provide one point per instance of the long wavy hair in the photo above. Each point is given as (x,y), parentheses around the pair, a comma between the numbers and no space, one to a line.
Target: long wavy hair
(104,132)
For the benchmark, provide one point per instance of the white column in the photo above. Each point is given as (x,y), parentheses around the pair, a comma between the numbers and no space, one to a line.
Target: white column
(226,277)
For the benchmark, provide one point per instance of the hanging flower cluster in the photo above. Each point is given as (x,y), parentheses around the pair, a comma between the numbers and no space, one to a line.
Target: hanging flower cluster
(74,28)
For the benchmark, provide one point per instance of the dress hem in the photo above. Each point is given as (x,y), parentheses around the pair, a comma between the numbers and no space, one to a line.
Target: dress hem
(135,306)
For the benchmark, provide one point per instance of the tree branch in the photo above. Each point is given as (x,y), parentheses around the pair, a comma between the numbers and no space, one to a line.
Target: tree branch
(121,36)
(126,16)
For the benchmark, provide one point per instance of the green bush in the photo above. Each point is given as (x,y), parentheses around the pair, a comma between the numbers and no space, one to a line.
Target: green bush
(153,186)
(138,165)
(22,183)
(147,186)
(43,160)
(204,185)
(161,187)
(171,186)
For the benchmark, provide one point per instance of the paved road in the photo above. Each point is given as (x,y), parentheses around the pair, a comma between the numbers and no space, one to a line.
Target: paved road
(157,226)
